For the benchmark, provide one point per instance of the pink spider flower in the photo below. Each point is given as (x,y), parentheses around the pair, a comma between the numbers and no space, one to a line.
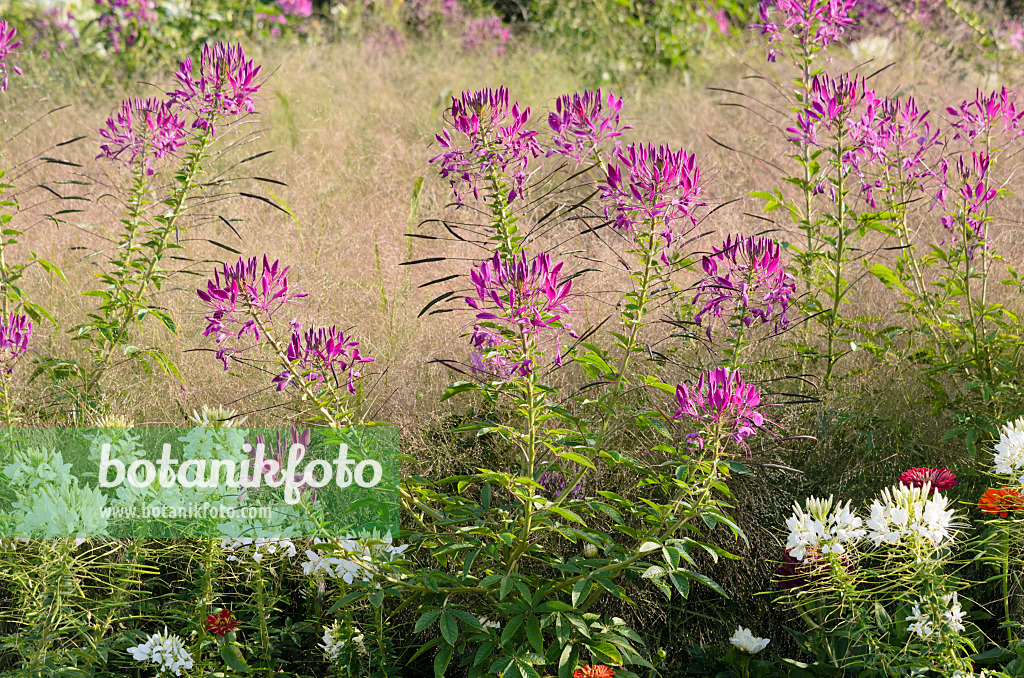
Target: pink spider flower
(833,104)
(653,185)
(241,297)
(517,299)
(487,142)
(224,90)
(986,114)
(746,279)
(323,353)
(581,123)
(721,398)
(15,334)
(940,479)
(8,43)
(146,128)
(811,24)
(973,189)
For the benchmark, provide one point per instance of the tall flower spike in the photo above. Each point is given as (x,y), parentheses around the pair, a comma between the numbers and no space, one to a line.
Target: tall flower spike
(15,334)
(8,43)
(721,397)
(581,123)
(144,128)
(224,90)
(490,144)
(652,185)
(746,279)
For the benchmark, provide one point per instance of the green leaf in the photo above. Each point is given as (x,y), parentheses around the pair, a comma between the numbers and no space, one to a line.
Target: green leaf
(533,633)
(888,277)
(567,661)
(441,660)
(425,620)
(232,656)
(167,321)
(449,628)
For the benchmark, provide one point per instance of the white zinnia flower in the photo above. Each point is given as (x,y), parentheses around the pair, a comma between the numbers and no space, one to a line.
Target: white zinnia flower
(745,640)
(817,526)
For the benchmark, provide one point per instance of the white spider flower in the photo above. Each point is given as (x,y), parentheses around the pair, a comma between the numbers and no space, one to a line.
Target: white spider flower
(1009,459)
(903,513)
(745,640)
(817,526)
(332,645)
(166,650)
(355,559)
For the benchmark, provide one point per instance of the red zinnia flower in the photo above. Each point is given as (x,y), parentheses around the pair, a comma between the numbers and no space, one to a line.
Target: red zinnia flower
(1003,501)
(597,671)
(220,624)
(940,478)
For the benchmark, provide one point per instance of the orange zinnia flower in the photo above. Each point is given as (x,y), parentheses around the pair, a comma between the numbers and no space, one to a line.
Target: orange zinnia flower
(598,671)
(1003,501)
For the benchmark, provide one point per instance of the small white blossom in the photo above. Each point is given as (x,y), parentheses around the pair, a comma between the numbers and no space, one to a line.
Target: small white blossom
(817,526)
(166,650)
(355,559)
(270,545)
(745,640)
(952,617)
(332,645)
(589,550)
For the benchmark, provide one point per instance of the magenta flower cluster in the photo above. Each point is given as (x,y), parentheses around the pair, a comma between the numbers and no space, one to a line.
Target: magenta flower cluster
(721,400)
(15,334)
(8,43)
(323,353)
(242,297)
(581,123)
(810,24)
(652,186)
(991,115)
(831,104)
(516,299)
(124,19)
(491,143)
(151,129)
(746,280)
(146,128)
(938,479)
(223,89)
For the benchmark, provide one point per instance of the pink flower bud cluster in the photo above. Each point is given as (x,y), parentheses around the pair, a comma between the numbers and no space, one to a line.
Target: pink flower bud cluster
(581,123)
